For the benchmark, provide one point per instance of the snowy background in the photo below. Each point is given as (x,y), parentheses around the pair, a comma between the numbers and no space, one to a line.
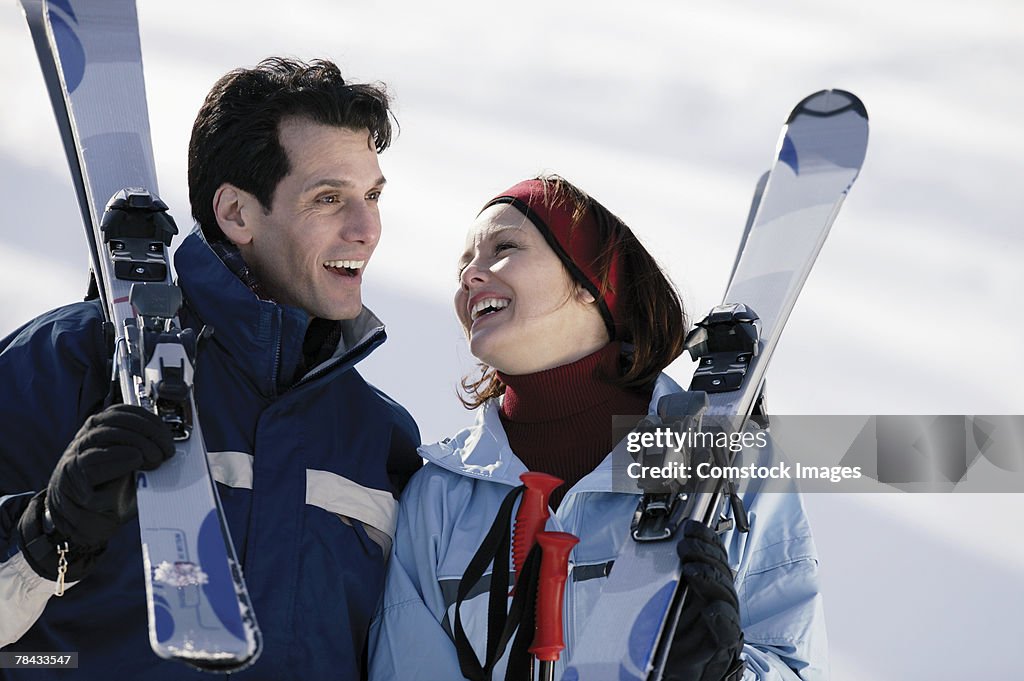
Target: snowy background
(667,112)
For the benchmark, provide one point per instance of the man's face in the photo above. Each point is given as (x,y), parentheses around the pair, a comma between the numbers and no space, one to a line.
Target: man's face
(310,250)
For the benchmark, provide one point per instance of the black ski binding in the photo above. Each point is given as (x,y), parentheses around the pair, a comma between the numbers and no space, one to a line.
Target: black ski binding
(662,506)
(723,343)
(136,229)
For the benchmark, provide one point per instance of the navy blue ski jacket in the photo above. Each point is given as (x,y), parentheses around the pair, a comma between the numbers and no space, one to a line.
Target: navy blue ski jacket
(306,473)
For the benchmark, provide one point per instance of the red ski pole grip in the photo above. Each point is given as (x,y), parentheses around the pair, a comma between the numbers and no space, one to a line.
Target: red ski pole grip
(532,515)
(548,641)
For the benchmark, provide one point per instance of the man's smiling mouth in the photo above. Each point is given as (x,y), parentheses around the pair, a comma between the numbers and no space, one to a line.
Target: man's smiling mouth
(348,268)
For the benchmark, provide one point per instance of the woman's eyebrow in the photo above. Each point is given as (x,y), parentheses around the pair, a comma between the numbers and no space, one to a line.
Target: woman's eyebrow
(492,232)
(489,233)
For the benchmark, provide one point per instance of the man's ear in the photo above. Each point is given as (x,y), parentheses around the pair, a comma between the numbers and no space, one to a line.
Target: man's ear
(228,203)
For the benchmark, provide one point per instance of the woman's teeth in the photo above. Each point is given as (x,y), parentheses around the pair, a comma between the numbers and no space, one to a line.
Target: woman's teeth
(486,306)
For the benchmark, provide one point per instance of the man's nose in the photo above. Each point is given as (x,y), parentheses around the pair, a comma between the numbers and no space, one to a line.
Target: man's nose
(361,225)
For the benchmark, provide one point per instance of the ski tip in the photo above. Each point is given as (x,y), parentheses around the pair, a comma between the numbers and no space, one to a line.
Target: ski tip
(825,103)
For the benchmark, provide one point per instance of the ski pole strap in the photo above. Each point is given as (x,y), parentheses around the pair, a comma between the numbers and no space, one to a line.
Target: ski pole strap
(523,612)
(735,673)
(495,548)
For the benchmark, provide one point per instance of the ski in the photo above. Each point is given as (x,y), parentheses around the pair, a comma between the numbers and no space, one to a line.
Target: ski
(755,203)
(818,157)
(90,55)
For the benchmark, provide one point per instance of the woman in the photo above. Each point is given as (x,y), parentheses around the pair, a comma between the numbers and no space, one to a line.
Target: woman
(573,322)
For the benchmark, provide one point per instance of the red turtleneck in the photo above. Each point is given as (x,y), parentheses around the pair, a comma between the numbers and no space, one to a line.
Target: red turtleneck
(559,421)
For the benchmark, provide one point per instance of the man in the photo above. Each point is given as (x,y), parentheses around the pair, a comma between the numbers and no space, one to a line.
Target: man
(284,184)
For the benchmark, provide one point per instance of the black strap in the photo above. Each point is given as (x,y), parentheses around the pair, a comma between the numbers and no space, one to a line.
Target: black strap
(524,613)
(495,548)
(503,620)
(39,545)
(735,673)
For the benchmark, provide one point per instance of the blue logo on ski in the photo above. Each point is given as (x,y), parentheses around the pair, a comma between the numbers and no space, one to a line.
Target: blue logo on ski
(72,54)
(787,155)
(220,588)
(163,617)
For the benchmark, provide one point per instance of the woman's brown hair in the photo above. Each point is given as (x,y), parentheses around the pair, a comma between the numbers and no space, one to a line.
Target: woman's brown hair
(653,321)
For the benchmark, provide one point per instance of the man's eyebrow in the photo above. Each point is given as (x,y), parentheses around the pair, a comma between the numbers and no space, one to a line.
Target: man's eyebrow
(336,183)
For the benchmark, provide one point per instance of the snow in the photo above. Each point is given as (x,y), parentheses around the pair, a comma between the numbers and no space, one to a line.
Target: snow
(667,112)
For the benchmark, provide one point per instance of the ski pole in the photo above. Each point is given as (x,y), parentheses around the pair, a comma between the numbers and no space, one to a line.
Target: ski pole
(548,640)
(531,517)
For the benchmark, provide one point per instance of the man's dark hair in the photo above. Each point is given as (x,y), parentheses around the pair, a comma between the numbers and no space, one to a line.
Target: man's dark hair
(235,136)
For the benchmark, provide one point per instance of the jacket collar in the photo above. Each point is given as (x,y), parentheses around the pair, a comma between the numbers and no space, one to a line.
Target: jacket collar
(266,336)
(482,450)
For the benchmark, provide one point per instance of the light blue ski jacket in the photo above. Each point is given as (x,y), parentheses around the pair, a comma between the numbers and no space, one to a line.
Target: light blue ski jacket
(450,504)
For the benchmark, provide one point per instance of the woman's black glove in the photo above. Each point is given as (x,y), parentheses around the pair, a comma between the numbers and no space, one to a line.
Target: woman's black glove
(708,639)
(92,490)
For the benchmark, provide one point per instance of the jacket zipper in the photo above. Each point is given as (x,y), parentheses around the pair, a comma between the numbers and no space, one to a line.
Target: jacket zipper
(277,354)
(354,352)
(570,591)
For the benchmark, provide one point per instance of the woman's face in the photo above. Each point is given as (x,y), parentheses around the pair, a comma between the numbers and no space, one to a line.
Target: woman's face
(521,310)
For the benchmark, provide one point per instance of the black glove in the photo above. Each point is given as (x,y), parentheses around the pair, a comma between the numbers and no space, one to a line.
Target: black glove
(708,639)
(92,490)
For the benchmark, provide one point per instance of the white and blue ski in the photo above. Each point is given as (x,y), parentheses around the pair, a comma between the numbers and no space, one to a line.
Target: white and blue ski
(90,55)
(819,155)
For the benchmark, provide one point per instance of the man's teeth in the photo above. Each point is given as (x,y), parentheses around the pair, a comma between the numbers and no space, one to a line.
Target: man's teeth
(345,264)
(488,305)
